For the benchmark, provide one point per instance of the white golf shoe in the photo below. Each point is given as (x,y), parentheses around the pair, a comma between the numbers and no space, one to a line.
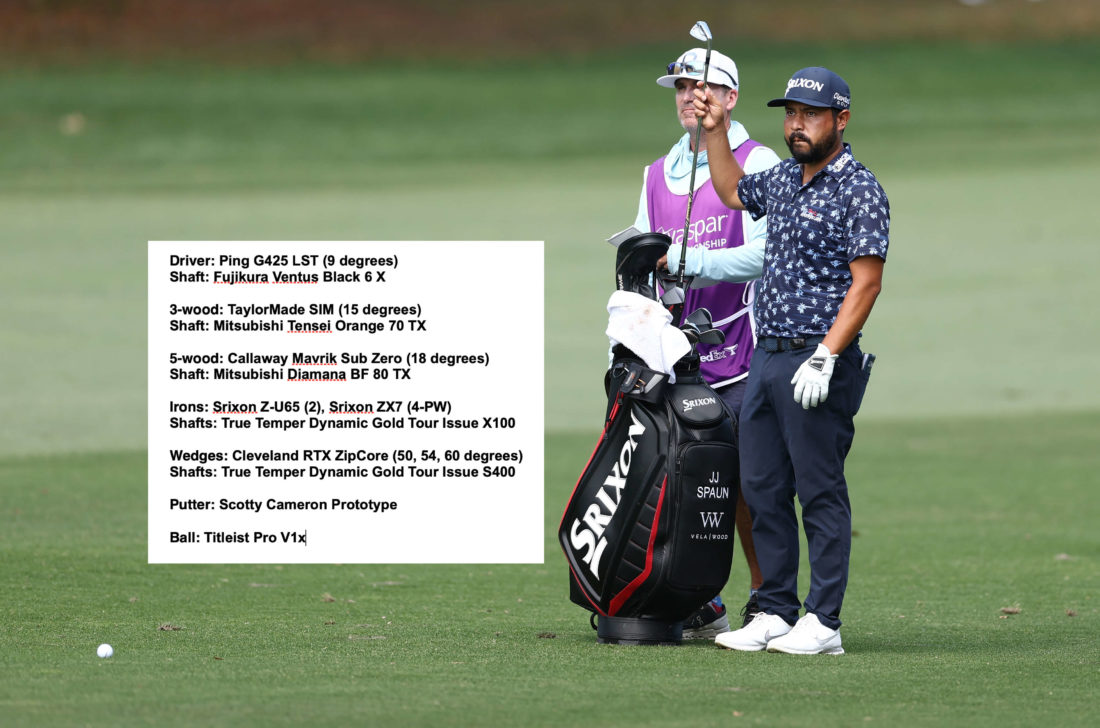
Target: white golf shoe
(808,637)
(756,635)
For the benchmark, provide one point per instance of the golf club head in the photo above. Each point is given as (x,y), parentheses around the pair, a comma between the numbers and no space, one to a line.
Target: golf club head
(688,327)
(701,318)
(673,296)
(714,337)
(701,31)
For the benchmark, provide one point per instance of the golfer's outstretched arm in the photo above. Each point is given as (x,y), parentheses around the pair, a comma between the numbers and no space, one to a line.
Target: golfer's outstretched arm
(725,172)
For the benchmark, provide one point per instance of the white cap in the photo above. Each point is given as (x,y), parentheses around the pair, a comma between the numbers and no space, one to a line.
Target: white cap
(723,71)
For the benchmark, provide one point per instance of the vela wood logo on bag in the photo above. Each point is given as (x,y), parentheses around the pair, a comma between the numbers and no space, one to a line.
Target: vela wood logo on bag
(712,519)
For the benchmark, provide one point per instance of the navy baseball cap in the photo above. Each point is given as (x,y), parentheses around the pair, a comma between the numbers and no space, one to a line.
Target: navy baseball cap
(816,86)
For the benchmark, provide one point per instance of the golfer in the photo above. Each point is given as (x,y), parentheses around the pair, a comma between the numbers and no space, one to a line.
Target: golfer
(662,208)
(828,231)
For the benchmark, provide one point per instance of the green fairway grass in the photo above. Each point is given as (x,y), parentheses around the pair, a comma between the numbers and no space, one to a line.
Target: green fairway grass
(955,520)
(973,475)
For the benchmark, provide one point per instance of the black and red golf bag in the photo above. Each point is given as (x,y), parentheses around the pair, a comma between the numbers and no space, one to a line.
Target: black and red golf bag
(648,530)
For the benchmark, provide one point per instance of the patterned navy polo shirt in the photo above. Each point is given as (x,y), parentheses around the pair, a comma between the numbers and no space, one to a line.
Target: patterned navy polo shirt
(814,232)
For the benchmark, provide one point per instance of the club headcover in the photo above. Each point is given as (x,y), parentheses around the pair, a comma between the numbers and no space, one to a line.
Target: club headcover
(636,262)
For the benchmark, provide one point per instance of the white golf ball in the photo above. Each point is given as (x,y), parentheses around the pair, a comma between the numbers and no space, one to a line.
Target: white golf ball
(105,650)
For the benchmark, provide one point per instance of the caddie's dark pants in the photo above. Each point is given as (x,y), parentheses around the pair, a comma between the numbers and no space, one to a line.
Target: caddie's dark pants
(788,451)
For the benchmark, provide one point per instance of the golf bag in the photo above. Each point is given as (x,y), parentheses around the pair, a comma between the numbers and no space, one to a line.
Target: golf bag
(648,530)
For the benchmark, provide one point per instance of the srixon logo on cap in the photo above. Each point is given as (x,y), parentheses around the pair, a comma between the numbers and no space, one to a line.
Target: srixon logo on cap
(805,83)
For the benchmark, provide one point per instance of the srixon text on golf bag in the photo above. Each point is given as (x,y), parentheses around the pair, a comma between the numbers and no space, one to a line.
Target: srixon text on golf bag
(648,531)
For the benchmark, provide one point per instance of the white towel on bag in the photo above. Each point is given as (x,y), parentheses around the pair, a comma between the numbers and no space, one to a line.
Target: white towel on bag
(645,327)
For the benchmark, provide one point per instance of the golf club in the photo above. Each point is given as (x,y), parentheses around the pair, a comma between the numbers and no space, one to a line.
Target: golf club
(700,318)
(697,328)
(699,31)
(714,337)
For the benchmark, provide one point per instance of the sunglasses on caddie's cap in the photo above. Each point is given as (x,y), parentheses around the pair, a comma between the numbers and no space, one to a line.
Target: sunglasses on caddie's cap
(816,86)
(723,71)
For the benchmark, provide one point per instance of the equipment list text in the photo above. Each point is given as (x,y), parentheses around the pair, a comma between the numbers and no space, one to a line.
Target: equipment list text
(345,402)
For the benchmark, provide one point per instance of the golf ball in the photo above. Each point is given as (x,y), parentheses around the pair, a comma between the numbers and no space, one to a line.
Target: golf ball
(105,650)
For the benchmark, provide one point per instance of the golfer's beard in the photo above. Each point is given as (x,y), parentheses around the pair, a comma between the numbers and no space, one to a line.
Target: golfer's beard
(816,152)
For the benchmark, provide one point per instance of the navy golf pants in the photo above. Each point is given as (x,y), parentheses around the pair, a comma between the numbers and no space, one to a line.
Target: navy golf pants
(788,451)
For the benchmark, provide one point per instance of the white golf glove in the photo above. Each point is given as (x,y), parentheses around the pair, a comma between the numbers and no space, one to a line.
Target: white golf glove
(811,381)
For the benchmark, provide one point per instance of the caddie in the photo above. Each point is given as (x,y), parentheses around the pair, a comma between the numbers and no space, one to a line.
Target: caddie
(828,231)
(662,208)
